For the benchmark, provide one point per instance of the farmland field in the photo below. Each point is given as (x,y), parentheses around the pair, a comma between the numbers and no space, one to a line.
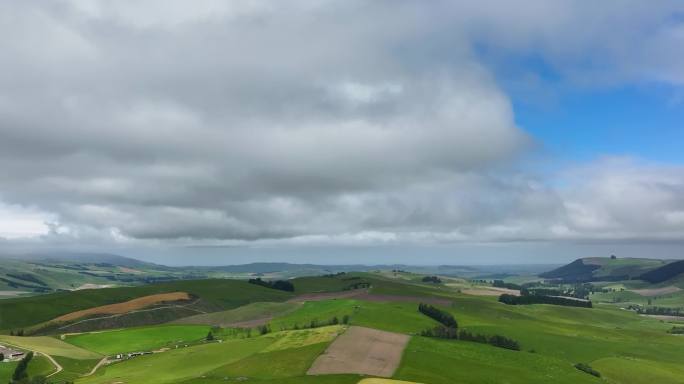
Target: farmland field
(307,338)
(50,346)
(138,339)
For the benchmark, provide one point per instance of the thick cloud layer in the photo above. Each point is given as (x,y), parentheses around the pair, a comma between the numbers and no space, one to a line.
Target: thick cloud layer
(304,122)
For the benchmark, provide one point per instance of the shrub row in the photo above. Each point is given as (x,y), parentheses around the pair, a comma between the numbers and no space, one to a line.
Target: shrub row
(282,285)
(315,323)
(540,299)
(588,369)
(503,284)
(665,311)
(437,314)
(452,333)
(432,279)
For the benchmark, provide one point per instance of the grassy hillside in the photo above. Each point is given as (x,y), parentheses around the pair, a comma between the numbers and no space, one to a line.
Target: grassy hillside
(138,339)
(179,364)
(215,294)
(664,273)
(443,362)
(50,346)
(624,347)
(604,269)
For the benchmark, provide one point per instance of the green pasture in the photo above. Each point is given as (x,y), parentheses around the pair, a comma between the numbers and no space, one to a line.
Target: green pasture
(50,346)
(73,368)
(437,361)
(39,365)
(396,317)
(138,339)
(178,364)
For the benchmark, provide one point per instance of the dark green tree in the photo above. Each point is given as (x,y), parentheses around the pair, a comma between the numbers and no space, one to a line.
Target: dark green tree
(20,371)
(210,336)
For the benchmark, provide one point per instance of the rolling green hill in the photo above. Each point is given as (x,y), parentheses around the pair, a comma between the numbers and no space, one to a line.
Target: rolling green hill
(624,347)
(214,294)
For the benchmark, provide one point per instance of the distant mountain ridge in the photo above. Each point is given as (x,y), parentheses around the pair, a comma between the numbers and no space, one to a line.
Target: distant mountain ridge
(614,269)
(41,272)
(84,258)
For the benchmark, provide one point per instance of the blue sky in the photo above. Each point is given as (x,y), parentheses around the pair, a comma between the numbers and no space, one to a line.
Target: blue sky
(643,121)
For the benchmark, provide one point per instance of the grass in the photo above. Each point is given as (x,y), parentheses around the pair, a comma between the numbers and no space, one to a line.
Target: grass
(626,370)
(138,339)
(39,365)
(6,370)
(178,364)
(445,362)
(247,312)
(216,294)
(272,365)
(50,346)
(286,360)
(574,334)
(327,379)
(72,368)
(304,338)
(395,317)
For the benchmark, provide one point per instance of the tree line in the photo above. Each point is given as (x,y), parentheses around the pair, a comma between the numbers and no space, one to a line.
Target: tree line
(431,279)
(21,376)
(282,285)
(443,317)
(541,299)
(499,341)
(587,369)
(503,284)
(663,311)
(449,330)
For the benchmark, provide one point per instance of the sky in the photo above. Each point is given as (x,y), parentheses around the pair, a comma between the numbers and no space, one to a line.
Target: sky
(415,132)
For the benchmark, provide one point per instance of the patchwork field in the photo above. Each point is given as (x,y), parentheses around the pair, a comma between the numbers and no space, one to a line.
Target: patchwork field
(368,336)
(364,351)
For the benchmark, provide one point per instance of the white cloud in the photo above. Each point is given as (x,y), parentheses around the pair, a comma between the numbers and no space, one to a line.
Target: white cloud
(338,122)
(18,222)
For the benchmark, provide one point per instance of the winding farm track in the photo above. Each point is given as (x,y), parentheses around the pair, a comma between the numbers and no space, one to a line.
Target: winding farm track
(54,362)
(95,368)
